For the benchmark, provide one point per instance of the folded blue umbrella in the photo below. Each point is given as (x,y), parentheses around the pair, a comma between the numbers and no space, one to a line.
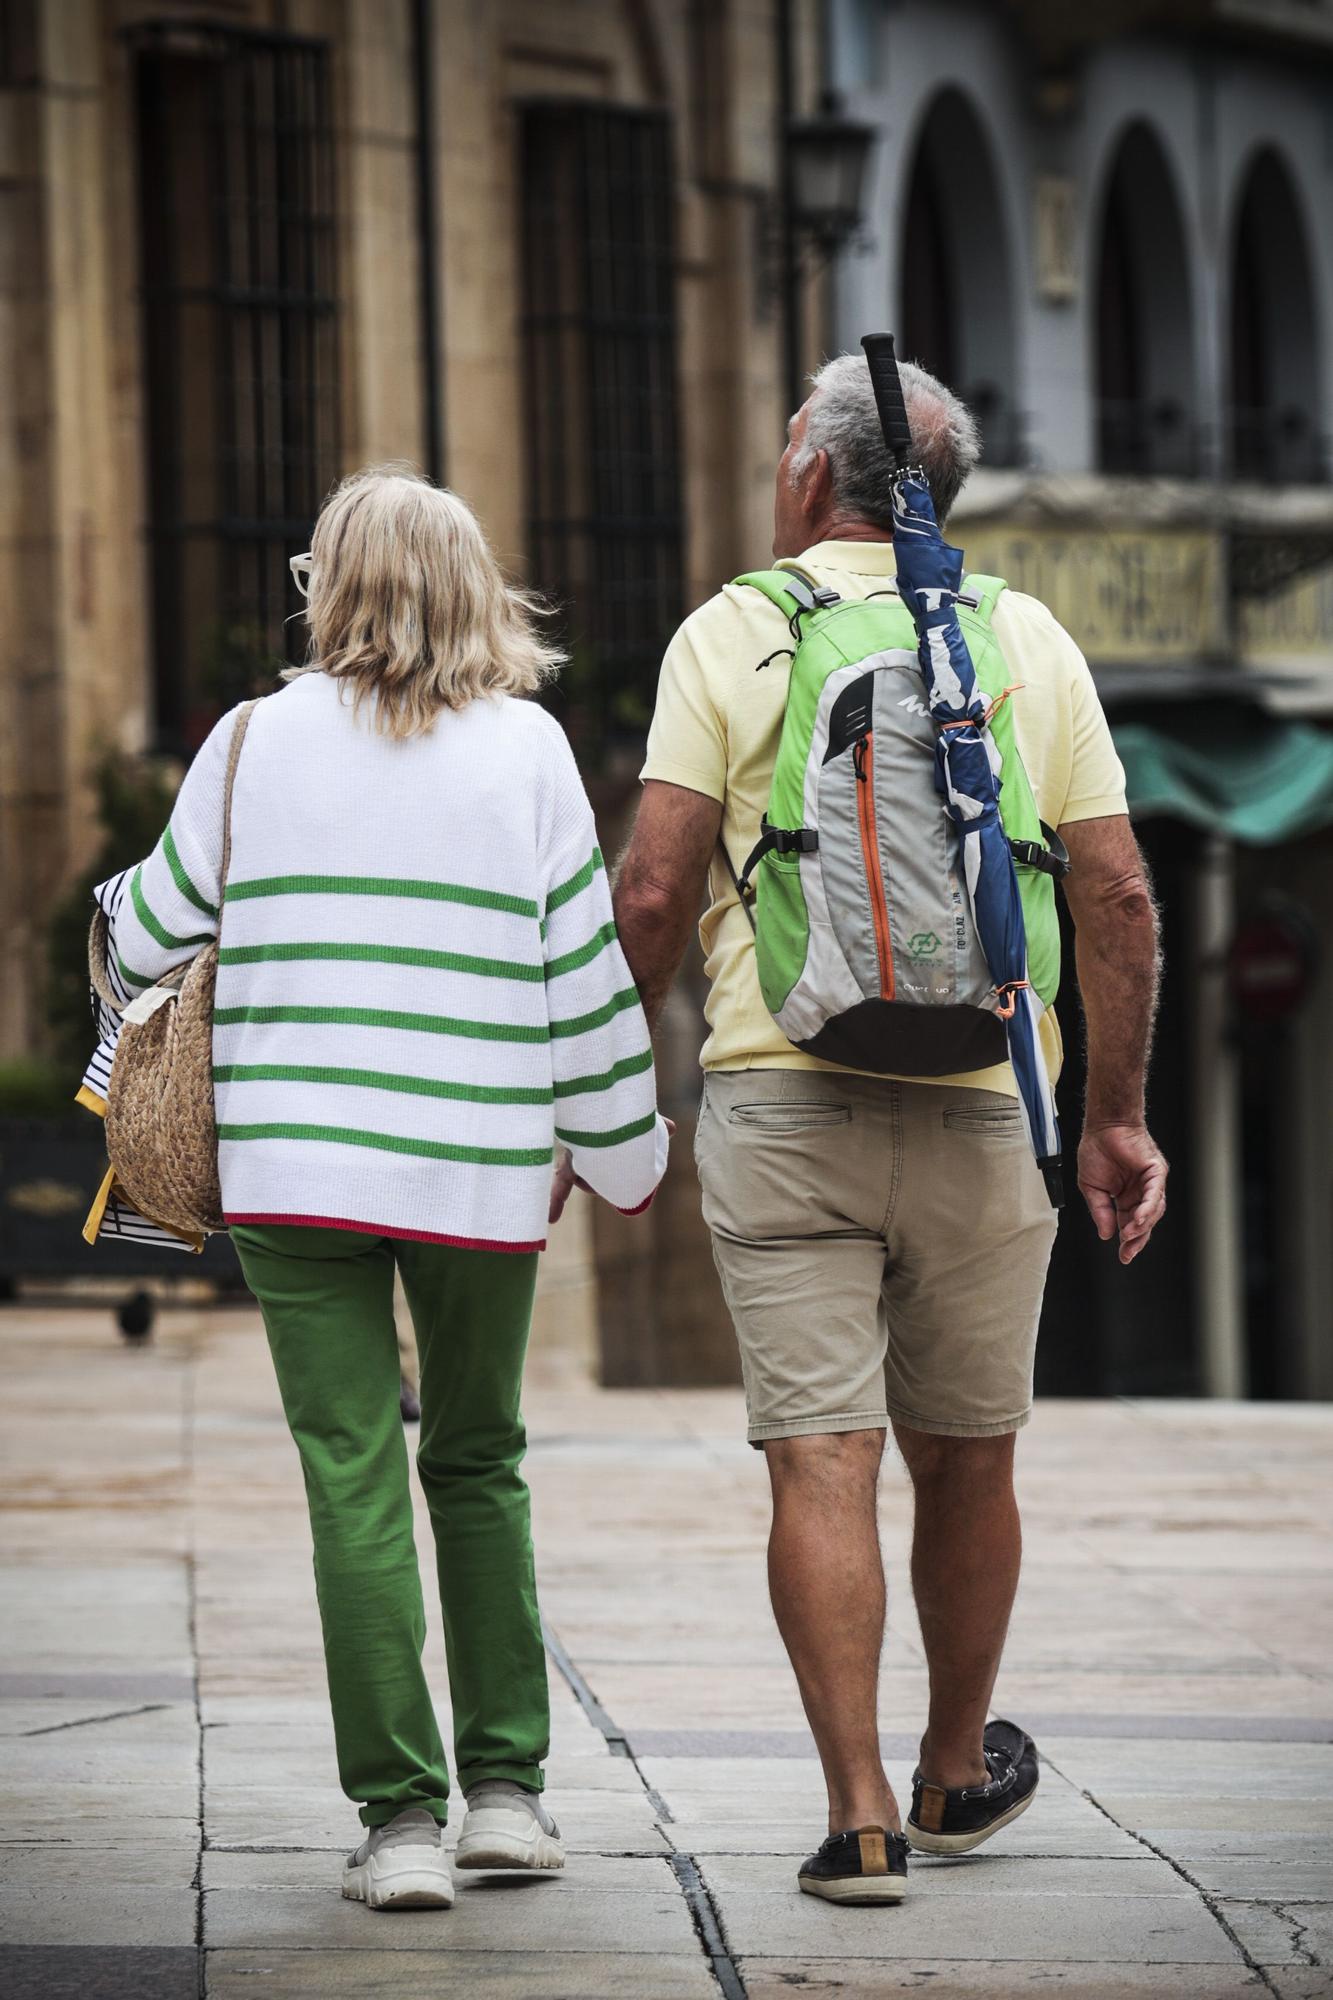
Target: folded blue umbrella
(967,774)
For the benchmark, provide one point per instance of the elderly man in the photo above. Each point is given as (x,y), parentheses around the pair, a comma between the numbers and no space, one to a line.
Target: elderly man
(828,1193)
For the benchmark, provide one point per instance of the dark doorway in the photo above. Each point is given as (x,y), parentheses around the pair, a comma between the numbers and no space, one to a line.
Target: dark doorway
(1274,419)
(1144,335)
(955,300)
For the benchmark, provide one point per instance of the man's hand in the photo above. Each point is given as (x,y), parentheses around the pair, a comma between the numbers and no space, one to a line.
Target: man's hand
(565,1180)
(1121,1170)
(1122,1177)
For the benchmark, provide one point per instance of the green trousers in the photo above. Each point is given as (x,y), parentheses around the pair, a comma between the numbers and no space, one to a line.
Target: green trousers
(327,1301)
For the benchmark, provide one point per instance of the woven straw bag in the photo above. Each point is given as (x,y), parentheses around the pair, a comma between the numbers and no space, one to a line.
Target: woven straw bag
(161,1130)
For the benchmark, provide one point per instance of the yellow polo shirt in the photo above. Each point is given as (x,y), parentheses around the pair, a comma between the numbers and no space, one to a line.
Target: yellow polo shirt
(716,727)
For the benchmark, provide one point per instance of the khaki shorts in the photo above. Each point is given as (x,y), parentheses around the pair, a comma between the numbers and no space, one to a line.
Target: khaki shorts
(882,1248)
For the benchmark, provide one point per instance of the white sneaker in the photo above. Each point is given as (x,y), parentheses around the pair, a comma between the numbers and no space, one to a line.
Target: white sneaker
(401,1866)
(507,1827)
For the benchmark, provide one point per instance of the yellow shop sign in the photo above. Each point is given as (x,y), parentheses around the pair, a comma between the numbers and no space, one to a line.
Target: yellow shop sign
(1295,623)
(1123,594)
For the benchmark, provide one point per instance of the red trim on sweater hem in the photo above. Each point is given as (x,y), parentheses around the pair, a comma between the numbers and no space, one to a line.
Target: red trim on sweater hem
(382,1229)
(641,1207)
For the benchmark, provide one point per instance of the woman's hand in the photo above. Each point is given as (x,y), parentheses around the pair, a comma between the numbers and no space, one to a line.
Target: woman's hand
(563,1183)
(565,1180)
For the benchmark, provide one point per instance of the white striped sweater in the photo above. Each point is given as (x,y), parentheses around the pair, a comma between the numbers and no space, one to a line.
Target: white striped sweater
(420,988)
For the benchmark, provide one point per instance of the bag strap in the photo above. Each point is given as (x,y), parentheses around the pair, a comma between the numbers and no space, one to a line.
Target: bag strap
(741,897)
(99,936)
(243,714)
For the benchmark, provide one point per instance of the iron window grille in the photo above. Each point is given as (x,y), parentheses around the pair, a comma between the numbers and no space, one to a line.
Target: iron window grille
(605,532)
(240,319)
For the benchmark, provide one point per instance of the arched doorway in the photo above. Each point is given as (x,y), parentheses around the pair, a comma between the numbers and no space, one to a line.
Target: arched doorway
(1144,325)
(956,307)
(1274,427)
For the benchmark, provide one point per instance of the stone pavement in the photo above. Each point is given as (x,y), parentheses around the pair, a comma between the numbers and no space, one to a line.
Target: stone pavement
(171,1824)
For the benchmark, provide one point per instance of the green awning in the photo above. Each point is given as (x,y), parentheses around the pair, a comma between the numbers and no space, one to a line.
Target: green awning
(1231,769)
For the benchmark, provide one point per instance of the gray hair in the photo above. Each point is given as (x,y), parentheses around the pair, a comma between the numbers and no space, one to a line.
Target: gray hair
(844,422)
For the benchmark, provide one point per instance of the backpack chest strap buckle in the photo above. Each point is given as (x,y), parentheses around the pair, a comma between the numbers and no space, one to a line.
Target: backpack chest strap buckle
(776,840)
(1050,859)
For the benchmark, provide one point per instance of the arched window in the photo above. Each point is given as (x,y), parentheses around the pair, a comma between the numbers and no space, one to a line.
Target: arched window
(956,309)
(1144,323)
(1274,384)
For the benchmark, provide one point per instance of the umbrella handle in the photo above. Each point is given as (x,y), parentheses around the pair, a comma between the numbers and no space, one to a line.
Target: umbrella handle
(888,388)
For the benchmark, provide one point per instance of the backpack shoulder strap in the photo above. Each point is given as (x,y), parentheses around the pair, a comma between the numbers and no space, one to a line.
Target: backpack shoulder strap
(987,590)
(790,589)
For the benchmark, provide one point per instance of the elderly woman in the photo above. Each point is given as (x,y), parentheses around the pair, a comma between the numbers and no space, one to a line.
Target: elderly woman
(420,991)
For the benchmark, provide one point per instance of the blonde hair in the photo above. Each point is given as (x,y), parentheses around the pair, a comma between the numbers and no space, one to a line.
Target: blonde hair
(409,605)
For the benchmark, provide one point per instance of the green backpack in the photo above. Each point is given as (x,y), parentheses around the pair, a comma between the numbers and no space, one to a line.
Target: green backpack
(867,952)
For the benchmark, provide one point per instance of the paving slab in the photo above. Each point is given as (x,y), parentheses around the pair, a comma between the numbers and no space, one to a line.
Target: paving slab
(825,1979)
(105,1865)
(1300,1982)
(99,1972)
(1166,1929)
(1144,1765)
(137,1723)
(1250,1866)
(445,1968)
(510,1912)
(1282,1933)
(1223,1812)
(93,1913)
(78,1758)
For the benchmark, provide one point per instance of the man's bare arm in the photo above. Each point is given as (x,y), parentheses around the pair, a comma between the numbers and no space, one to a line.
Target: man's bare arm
(1122,1173)
(660,883)
(658,890)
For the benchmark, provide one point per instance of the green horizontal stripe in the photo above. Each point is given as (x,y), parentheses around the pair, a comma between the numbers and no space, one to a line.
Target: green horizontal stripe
(390,1142)
(155,930)
(381,954)
(618,1137)
(576,883)
(583,954)
(577,1086)
(380,1017)
(181,879)
(380,885)
(579,1024)
(130,977)
(380,1079)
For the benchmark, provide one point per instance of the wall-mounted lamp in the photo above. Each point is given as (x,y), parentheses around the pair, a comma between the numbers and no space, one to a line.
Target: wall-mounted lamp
(816,215)
(827,158)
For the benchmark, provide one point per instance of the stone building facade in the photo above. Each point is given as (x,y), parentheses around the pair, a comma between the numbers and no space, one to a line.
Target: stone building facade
(248,245)
(1108,226)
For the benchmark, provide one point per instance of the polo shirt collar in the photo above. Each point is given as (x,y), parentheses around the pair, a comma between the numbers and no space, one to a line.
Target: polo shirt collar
(861,558)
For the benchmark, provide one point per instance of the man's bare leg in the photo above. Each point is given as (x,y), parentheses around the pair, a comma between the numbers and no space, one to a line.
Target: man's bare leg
(826,1580)
(966,1550)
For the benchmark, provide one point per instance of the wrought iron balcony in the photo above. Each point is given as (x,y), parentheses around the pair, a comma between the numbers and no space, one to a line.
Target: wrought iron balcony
(1280,447)
(1156,439)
